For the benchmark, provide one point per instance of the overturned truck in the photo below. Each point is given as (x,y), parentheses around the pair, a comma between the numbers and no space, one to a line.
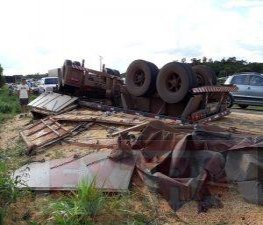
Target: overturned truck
(176,90)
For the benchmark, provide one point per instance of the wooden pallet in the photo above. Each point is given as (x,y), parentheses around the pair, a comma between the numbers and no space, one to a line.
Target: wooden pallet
(43,133)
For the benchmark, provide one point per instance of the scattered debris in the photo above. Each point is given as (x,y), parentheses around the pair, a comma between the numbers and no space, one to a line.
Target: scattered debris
(66,174)
(52,103)
(178,161)
(136,127)
(42,133)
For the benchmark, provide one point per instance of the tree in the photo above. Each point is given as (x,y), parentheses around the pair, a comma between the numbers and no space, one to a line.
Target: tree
(2,81)
(183,60)
(196,61)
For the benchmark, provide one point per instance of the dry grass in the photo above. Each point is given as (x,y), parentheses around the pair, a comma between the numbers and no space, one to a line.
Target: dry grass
(140,206)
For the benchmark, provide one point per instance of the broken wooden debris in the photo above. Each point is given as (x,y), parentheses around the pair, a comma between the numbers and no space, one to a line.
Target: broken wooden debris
(52,104)
(134,128)
(95,143)
(97,119)
(43,133)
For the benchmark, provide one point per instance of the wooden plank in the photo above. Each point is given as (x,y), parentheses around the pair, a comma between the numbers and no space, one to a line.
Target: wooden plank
(57,133)
(25,139)
(47,133)
(40,136)
(58,124)
(37,127)
(93,119)
(136,127)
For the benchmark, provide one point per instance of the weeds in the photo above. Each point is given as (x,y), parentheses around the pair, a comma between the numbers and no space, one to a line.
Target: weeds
(89,205)
(8,190)
(9,104)
(79,208)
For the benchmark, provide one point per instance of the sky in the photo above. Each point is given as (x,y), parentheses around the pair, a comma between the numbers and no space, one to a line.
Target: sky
(38,35)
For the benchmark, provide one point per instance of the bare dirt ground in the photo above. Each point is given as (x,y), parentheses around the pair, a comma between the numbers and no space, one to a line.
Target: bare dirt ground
(235,210)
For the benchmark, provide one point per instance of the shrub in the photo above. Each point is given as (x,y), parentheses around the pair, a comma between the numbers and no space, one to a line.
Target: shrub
(80,207)
(8,190)
(5,107)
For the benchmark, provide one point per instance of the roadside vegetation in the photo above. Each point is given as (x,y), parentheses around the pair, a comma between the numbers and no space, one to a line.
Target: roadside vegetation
(9,105)
(228,66)
(90,206)
(10,159)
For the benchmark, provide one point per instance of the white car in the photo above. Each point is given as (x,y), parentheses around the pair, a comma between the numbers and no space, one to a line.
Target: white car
(47,84)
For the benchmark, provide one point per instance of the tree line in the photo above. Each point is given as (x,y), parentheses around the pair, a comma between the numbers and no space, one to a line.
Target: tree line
(2,81)
(222,68)
(228,66)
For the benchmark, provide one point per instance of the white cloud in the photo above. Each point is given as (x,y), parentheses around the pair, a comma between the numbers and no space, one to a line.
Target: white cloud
(39,35)
(243,3)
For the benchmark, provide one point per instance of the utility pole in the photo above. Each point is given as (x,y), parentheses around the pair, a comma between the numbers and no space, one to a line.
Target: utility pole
(101,58)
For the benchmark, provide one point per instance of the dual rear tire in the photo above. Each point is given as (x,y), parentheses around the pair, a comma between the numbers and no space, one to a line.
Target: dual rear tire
(172,82)
(141,78)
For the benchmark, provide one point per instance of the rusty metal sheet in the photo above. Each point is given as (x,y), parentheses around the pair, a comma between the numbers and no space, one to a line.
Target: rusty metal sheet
(65,174)
(52,102)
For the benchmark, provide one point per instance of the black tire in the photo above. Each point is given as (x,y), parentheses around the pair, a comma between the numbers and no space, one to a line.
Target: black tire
(192,74)
(67,62)
(229,101)
(141,78)
(76,63)
(173,82)
(112,72)
(242,106)
(205,75)
(116,73)
(109,71)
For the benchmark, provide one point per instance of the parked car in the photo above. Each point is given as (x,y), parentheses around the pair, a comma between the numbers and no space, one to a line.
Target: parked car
(47,84)
(33,87)
(12,89)
(250,89)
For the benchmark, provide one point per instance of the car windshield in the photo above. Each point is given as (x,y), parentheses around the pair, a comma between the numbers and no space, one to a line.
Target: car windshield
(51,80)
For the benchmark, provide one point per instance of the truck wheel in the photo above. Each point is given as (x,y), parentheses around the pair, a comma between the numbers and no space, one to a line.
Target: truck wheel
(76,63)
(109,71)
(173,82)
(67,62)
(242,106)
(141,78)
(193,77)
(116,73)
(205,75)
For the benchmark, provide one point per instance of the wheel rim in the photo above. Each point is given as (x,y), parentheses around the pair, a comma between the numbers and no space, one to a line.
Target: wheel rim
(200,80)
(139,78)
(173,82)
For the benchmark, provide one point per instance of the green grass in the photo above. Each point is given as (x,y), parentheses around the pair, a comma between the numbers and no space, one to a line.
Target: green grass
(8,190)
(9,104)
(89,205)
(10,159)
(79,208)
